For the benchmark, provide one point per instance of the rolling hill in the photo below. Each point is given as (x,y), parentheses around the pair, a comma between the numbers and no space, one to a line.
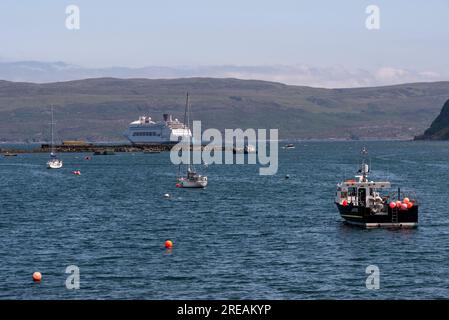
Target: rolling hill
(99,109)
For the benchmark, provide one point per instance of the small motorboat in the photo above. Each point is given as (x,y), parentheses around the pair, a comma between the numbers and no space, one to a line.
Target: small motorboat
(289,146)
(150,151)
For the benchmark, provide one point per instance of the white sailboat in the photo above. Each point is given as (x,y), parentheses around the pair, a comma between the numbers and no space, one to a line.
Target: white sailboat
(54,162)
(191,179)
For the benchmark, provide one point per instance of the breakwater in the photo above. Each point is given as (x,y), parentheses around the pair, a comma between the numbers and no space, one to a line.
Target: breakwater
(96,148)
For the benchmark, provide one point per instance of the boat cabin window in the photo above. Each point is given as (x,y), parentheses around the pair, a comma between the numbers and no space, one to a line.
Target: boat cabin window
(150,134)
(352,192)
(362,196)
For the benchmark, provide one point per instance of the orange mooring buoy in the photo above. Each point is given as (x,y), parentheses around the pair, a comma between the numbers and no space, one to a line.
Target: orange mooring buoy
(168,244)
(37,276)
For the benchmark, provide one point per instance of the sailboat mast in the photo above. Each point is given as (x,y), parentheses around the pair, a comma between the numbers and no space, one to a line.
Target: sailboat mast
(190,166)
(185,126)
(52,131)
(185,111)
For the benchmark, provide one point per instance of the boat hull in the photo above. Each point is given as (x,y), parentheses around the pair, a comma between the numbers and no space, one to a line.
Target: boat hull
(363,217)
(54,164)
(193,184)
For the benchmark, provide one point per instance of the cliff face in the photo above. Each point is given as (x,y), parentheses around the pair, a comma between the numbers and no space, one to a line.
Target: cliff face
(439,129)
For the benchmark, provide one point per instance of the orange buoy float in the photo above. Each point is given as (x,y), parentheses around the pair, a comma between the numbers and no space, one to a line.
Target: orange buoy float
(178,185)
(168,244)
(344,203)
(410,205)
(406,200)
(392,205)
(404,206)
(398,204)
(37,276)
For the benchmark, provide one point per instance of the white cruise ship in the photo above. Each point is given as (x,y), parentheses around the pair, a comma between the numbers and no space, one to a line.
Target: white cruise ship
(146,131)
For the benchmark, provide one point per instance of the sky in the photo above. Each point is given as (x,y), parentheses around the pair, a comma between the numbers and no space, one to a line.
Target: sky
(316,39)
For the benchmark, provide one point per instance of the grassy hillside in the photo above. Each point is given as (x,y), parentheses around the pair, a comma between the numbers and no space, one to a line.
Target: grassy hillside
(100,109)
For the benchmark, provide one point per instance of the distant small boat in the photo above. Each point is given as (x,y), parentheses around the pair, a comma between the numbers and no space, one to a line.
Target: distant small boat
(246,149)
(151,151)
(289,146)
(7,154)
(104,152)
(54,162)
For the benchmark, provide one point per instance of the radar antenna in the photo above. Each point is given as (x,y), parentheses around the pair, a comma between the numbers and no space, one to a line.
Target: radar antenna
(364,167)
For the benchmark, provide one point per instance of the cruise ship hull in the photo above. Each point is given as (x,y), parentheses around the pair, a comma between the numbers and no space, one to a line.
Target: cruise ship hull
(393,218)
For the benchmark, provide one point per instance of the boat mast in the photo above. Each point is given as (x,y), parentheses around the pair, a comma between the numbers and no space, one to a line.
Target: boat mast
(52,132)
(189,115)
(185,127)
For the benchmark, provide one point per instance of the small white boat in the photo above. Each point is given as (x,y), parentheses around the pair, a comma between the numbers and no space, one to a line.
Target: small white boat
(54,162)
(9,154)
(289,146)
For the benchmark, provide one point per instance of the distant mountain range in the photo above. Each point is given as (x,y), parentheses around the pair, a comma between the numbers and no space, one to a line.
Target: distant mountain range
(100,109)
(439,129)
(328,77)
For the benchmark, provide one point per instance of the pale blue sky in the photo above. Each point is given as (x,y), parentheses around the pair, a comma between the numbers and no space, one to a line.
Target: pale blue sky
(217,32)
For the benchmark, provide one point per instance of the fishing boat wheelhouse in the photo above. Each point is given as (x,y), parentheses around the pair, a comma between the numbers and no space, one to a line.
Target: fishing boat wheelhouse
(371,204)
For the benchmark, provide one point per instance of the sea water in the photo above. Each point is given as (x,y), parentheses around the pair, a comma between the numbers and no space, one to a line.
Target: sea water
(245,236)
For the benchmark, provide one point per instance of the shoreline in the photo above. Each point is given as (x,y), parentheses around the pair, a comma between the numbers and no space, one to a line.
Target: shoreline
(14,148)
(103,149)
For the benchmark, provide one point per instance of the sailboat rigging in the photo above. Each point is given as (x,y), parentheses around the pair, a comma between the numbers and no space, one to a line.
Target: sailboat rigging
(191,179)
(54,162)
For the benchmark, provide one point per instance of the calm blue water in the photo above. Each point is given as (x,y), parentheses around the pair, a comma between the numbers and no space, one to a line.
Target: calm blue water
(245,236)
